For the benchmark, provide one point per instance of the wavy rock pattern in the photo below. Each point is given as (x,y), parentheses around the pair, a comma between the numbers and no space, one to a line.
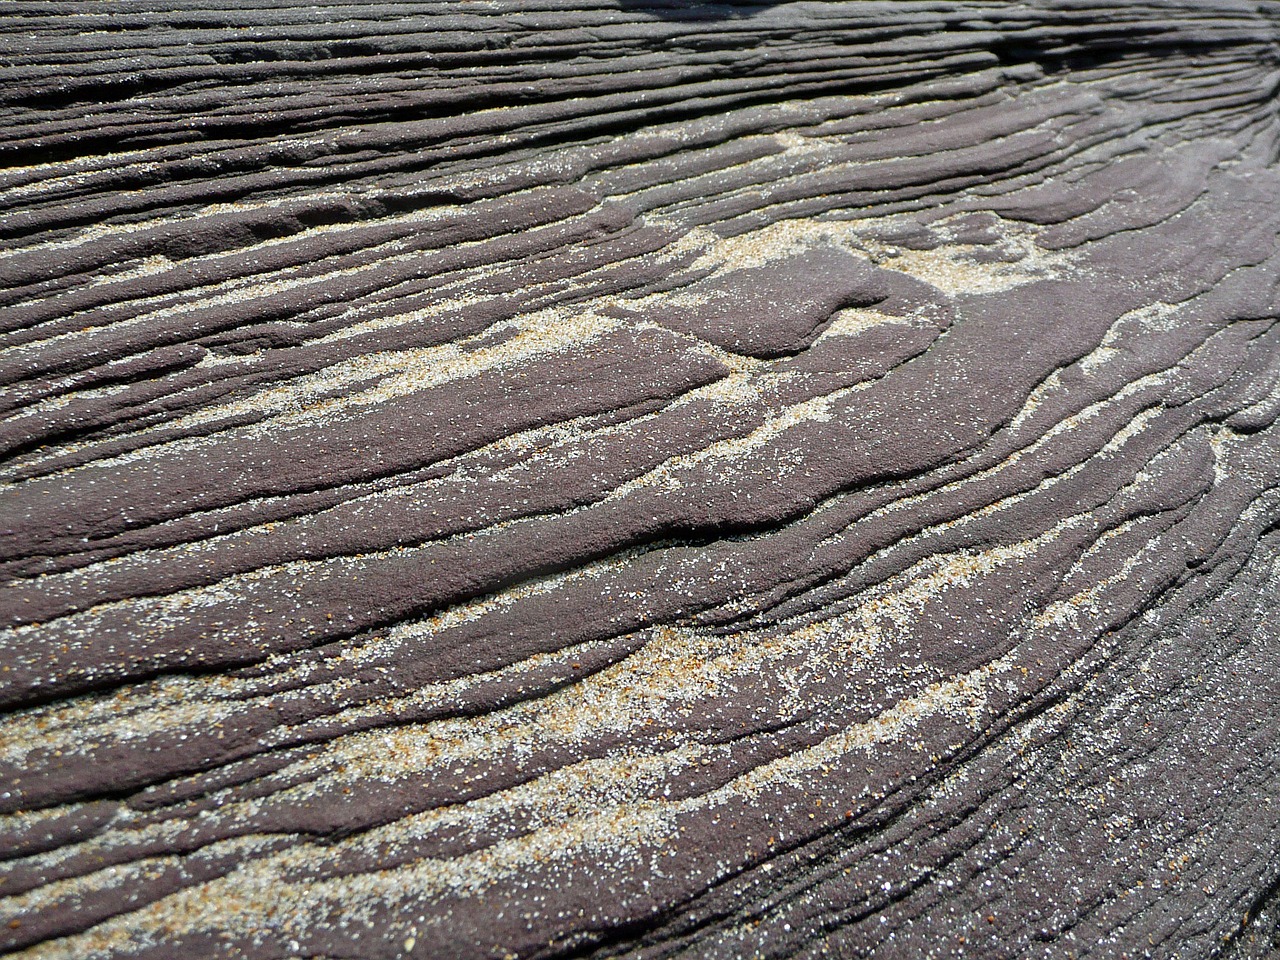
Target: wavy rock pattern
(545,479)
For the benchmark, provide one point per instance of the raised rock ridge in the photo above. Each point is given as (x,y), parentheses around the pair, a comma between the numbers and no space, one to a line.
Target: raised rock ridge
(561,479)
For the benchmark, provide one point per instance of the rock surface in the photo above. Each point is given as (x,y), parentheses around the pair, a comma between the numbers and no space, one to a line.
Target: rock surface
(569,478)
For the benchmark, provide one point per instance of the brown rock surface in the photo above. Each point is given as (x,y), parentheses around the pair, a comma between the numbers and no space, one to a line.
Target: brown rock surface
(566,479)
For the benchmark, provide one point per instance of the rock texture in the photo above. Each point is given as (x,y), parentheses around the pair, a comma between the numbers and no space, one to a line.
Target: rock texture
(571,478)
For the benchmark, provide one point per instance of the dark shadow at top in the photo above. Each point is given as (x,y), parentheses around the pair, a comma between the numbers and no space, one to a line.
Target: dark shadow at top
(693,11)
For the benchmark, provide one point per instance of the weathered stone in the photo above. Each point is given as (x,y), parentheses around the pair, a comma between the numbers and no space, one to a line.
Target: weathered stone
(643,479)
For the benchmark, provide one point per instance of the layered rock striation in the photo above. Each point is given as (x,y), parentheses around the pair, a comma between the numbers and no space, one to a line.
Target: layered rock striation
(570,479)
